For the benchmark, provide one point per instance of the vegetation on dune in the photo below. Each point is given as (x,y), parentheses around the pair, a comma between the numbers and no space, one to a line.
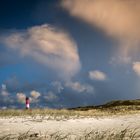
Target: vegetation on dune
(117,104)
(111,108)
(122,103)
(125,134)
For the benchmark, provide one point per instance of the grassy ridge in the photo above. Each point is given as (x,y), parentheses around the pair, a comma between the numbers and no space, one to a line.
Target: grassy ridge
(116,105)
(110,108)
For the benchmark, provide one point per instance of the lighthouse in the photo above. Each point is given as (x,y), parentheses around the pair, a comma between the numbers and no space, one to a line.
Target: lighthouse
(27,103)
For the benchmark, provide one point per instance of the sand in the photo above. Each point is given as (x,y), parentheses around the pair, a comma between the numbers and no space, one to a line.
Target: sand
(42,125)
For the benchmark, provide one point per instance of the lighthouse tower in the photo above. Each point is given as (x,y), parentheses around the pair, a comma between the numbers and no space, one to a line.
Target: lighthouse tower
(27,103)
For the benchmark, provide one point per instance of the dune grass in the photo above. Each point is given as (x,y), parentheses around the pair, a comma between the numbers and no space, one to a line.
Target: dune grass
(76,113)
(125,134)
(119,107)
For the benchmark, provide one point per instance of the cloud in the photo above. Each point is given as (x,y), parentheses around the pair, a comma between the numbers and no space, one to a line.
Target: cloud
(3,86)
(21,97)
(78,87)
(136,68)
(97,75)
(58,86)
(33,99)
(48,46)
(4,91)
(50,97)
(4,108)
(35,94)
(118,18)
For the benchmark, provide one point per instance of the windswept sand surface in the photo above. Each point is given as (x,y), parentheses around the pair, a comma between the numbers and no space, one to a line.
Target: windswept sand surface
(17,125)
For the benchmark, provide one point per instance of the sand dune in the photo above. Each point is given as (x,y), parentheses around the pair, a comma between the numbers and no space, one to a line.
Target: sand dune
(44,125)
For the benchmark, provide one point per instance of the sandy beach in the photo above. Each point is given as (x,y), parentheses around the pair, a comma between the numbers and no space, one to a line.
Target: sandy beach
(43,125)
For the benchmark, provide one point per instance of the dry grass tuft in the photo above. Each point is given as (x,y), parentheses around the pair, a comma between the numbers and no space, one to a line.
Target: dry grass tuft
(125,134)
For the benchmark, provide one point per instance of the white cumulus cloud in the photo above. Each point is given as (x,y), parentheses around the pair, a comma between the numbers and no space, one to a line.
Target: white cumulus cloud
(47,45)
(136,68)
(21,97)
(78,87)
(50,97)
(34,94)
(97,75)
(4,91)
(58,86)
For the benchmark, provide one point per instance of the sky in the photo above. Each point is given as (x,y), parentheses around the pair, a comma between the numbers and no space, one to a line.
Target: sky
(68,53)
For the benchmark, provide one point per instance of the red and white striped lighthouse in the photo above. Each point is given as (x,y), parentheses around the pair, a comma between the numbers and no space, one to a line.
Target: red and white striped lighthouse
(27,103)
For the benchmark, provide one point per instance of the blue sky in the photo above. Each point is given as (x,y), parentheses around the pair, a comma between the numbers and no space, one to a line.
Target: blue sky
(68,53)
